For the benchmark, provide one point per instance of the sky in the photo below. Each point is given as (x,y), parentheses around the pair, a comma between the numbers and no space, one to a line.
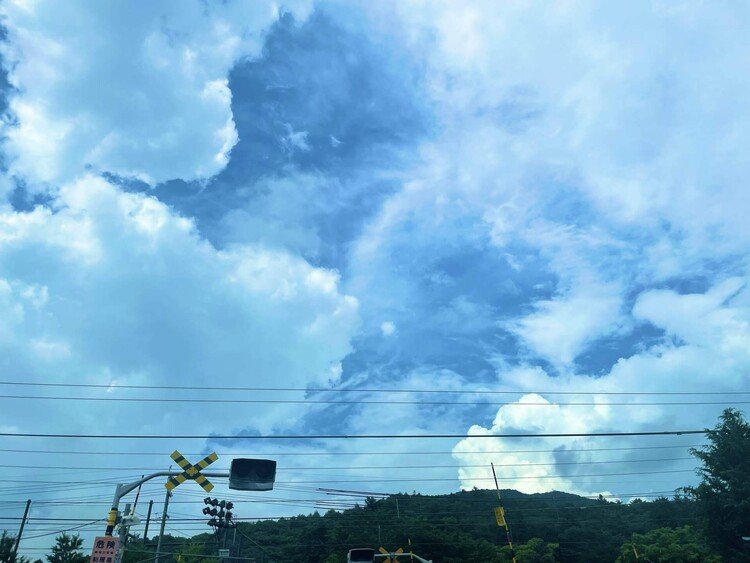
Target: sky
(547,201)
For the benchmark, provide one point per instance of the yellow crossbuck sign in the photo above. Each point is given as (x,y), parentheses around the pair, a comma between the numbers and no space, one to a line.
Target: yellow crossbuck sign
(190,471)
(391,554)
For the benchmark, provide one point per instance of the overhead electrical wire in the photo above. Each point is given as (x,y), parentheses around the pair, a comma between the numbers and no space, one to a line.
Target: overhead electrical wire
(303,485)
(358,467)
(197,527)
(187,518)
(404,499)
(361,402)
(348,436)
(414,480)
(93,522)
(351,453)
(204,388)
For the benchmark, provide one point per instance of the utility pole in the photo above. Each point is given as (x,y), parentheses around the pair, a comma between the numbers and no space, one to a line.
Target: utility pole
(23,525)
(163,523)
(148,520)
(123,532)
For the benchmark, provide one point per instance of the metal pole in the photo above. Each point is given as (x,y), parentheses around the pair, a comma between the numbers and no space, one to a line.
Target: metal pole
(124,532)
(23,525)
(161,530)
(148,520)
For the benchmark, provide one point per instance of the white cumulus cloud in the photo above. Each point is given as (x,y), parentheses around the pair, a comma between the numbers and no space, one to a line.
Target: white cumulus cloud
(136,92)
(133,292)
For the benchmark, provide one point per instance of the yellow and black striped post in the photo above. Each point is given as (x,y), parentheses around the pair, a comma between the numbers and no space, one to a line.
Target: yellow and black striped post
(190,471)
(500,516)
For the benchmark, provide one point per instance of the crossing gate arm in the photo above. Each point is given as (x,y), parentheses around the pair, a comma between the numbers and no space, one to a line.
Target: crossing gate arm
(405,556)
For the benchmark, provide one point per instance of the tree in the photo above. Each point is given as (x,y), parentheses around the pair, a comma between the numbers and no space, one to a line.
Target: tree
(668,545)
(724,492)
(67,549)
(6,549)
(536,550)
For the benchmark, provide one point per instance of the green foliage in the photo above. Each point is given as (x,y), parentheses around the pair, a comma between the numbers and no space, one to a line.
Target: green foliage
(724,493)
(455,528)
(6,549)
(536,550)
(668,545)
(67,549)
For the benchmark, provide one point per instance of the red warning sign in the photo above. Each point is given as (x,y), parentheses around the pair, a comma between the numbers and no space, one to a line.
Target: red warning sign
(106,550)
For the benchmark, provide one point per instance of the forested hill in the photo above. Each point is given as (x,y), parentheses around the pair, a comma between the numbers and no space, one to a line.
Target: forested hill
(451,528)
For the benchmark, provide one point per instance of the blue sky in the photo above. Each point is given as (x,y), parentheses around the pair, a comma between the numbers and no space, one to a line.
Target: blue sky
(436,195)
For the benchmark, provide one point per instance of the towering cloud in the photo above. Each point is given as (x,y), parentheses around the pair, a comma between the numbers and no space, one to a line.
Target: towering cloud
(140,93)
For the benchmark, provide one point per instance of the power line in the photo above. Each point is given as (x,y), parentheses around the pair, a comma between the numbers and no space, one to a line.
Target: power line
(441,519)
(407,512)
(352,453)
(66,530)
(405,499)
(401,480)
(356,467)
(360,390)
(348,436)
(359,402)
(440,479)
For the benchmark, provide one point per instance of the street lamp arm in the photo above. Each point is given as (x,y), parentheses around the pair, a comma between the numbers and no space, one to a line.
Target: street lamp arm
(124,488)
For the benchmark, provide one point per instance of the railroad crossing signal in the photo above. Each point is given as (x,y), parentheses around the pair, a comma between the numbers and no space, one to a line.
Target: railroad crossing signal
(190,471)
(391,554)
